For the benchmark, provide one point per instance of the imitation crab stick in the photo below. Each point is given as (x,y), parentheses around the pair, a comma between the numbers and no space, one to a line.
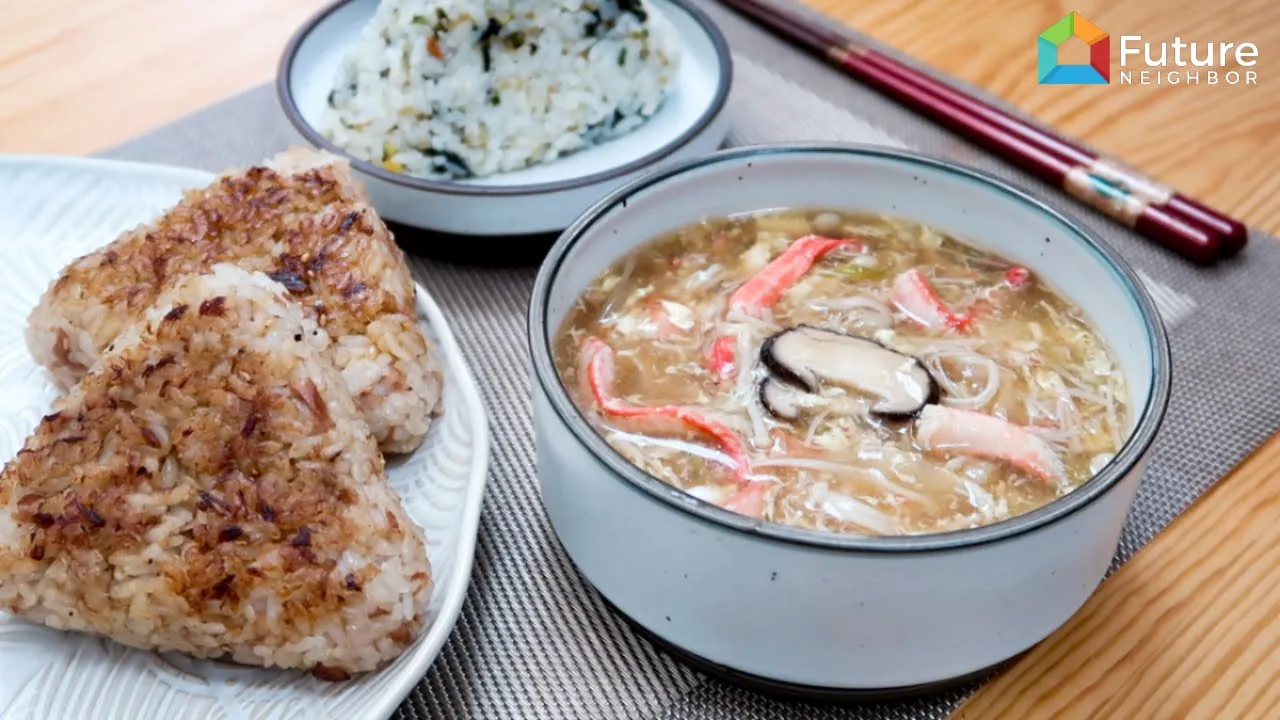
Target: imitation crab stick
(720,359)
(1017,277)
(950,431)
(749,500)
(767,286)
(914,295)
(598,359)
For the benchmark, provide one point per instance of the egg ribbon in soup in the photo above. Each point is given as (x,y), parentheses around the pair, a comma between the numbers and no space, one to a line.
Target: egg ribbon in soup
(844,372)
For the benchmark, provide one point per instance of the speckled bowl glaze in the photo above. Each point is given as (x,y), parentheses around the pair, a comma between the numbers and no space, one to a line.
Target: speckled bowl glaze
(801,610)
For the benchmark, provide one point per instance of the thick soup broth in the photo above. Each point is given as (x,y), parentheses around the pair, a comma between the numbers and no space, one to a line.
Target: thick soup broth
(844,372)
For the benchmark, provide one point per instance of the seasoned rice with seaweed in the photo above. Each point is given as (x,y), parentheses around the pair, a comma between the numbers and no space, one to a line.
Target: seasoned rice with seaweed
(452,89)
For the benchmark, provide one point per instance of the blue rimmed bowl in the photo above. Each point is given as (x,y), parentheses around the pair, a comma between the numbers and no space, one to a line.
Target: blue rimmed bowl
(805,611)
(537,200)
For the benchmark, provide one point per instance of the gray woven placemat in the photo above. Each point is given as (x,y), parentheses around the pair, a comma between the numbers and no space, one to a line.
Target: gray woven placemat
(533,641)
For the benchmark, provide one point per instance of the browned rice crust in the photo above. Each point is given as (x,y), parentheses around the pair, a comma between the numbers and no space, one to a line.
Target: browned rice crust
(210,488)
(303,219)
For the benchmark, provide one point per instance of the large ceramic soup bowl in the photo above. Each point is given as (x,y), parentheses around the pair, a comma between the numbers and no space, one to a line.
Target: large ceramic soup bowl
(817,611)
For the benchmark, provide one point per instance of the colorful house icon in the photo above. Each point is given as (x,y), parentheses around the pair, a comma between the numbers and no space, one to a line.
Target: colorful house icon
(1097,72)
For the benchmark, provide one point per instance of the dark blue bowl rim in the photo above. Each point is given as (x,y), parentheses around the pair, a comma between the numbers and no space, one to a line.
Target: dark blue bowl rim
(1124,462)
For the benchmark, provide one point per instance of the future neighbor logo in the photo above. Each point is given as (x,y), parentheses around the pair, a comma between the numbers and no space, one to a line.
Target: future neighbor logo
(1074,25)
(1142,62)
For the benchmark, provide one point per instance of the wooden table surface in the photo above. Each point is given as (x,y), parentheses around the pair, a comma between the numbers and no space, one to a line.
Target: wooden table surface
(1187,629)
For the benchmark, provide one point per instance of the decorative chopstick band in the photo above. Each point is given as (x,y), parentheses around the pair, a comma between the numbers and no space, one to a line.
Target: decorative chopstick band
(1112,172)
(1109,198)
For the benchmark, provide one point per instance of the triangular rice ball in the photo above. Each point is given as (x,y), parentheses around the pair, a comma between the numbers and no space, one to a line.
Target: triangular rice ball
(303,219)
(450,89)
(210,488)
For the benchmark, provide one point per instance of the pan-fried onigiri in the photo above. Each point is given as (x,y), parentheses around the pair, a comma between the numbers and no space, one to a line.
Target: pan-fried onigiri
(209,487)
(303,219)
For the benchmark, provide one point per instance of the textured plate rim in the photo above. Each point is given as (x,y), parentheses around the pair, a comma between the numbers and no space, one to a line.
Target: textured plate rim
(425,651)
(705,122)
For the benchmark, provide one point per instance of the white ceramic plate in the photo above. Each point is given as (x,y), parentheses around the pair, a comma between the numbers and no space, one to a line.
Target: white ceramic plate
(58,209)
(541,199)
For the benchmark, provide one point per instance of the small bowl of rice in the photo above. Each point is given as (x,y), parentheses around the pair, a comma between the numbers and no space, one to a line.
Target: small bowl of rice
(469,119)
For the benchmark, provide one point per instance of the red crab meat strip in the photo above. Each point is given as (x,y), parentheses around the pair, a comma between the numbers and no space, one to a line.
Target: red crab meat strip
(749,500)
(914,295)
(598,357)
(949,431)
(767,286)
(720,359)
(1017,277)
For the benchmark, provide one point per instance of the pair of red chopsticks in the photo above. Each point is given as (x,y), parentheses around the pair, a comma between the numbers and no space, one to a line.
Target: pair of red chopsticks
(1174,221)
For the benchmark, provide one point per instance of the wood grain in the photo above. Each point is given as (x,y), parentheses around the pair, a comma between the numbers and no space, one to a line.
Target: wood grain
(1220,144)
(1187,629)
(81,75)
(77,76)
